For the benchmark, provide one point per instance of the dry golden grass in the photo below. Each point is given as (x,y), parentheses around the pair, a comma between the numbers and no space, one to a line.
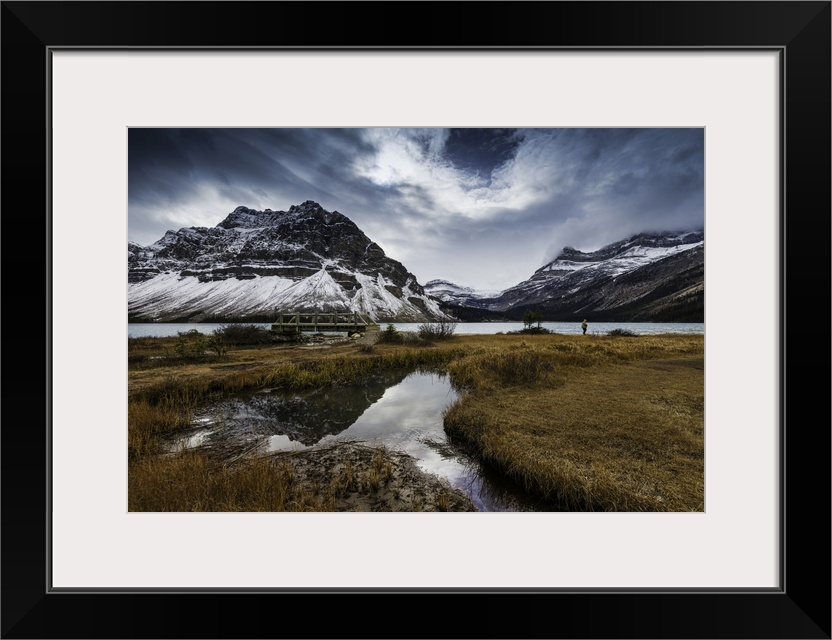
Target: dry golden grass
(588,422)
(191,482)
(606,425)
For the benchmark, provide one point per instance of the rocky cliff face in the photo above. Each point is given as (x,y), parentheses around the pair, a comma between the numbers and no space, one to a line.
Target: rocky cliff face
(255,263)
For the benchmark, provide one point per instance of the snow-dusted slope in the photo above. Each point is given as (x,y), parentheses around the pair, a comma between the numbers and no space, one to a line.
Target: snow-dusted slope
(456,294)
(256,263)
(645,277)
(575,271)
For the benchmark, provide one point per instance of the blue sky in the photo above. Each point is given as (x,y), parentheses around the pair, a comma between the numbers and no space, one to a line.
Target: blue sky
(484,208)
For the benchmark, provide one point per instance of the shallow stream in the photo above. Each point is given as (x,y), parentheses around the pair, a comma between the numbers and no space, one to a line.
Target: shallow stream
(400,410)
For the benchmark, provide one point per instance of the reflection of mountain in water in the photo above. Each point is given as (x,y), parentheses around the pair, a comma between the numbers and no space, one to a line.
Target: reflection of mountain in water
(305,416)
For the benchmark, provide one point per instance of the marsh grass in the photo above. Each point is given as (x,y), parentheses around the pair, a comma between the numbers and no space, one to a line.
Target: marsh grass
(443,500)
(192,482)
(587,423)
(205,382)
(380,471)
(503,368)
(621,437)
(149,421)
(187,348)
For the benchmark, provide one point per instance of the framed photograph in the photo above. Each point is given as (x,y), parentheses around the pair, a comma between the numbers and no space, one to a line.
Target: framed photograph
(79,77)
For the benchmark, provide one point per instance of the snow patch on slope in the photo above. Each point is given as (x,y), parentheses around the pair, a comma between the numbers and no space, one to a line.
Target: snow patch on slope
(318,292)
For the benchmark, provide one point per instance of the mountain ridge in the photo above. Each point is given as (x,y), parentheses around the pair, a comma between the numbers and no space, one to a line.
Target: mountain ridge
(256,263)
(259,262)
(646,276)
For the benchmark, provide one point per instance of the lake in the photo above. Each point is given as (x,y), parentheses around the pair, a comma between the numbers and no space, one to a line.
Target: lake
(166,329)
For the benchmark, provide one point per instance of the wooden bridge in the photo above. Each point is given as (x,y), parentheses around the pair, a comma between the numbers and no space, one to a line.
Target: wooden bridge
(317,322)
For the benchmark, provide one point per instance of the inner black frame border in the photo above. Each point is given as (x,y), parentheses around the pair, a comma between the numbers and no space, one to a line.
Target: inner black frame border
(799,31)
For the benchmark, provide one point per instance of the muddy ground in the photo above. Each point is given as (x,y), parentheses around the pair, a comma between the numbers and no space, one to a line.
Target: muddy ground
(372,479)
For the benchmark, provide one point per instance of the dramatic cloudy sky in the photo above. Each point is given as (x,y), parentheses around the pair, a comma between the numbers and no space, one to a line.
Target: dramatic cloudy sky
(481,207)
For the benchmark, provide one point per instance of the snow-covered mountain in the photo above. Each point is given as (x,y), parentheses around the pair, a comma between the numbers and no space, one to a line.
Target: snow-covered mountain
(456,294)
(255,263)
(645,277)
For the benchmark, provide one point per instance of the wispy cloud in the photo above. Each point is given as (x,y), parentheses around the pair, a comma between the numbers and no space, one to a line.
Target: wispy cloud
(483,207)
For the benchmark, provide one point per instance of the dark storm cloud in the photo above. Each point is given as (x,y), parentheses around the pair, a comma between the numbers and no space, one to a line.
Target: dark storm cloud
(232,160)
(484,207)
(193,177)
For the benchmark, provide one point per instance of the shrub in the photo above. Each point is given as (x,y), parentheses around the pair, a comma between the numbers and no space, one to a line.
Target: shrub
(243,334)
(528,331)
(414,339)
(622,332)
(531,331)
(530,317)
(216,345)
(390,335)
(193,344)
(190,345)
(440,330)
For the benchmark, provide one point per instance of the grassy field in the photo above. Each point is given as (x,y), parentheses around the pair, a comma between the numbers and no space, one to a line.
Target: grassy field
(607,423)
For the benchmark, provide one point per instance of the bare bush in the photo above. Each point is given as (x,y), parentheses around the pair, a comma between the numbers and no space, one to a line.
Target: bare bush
(243,334)
(622,332)
(439,330)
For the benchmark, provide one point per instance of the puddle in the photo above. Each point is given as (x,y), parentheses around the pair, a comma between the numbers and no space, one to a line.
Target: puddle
(399,410)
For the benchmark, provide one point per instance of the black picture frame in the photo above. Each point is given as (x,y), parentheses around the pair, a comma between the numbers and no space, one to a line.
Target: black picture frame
(799,31)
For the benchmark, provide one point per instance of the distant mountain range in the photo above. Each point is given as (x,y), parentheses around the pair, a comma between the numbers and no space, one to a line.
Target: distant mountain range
(658,277)
(256,263)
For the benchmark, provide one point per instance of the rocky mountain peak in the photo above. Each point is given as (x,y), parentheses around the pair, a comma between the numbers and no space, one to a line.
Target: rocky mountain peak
(245,218)
(629,246)
(309,206)
(254,262)
(570,253)
(637,278)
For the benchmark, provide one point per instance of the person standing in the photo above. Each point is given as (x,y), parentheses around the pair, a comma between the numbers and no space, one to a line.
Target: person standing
(583,326)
